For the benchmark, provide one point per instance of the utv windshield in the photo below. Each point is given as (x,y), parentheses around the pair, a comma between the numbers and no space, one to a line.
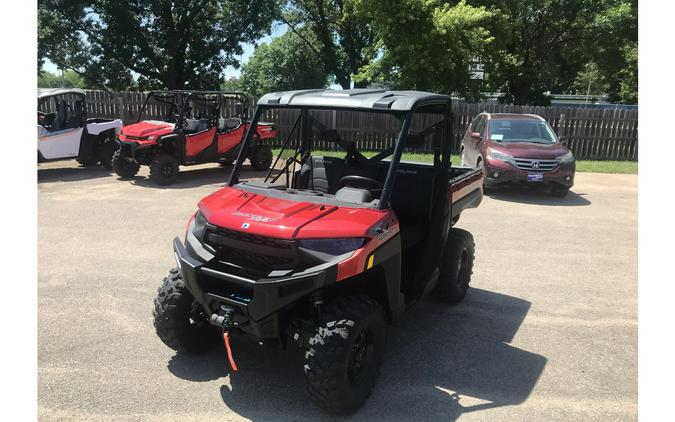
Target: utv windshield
(163,106)
(534,131)
(345,156)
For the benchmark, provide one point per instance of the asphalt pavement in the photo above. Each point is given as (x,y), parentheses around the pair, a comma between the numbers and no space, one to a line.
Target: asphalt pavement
(547,332)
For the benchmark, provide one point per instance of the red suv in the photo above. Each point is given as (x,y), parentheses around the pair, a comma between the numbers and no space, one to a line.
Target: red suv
(518,149)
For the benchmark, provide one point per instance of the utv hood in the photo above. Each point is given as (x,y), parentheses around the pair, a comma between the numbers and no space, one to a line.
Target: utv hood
(235,209)
(142,130)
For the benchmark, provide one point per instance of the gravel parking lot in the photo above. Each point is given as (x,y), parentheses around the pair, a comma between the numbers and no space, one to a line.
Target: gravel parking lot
(548,332)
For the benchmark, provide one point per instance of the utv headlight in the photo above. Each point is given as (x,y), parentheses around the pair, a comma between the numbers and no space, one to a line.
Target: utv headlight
(567,158)
(199,226)
(496,155)
(334,246)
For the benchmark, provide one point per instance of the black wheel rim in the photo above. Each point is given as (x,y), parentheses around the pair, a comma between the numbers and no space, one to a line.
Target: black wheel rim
(167,170)
(361,356)
(463,273)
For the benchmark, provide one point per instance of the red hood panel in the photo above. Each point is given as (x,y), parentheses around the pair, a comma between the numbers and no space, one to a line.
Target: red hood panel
(146,128)
(530,150)
(244,211)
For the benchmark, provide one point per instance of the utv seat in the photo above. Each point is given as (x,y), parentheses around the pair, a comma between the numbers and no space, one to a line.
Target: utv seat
(322,174)
(196,125)
(75,119)
(229,123)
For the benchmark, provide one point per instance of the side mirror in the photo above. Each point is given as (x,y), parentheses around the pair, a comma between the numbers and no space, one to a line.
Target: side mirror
(476,135)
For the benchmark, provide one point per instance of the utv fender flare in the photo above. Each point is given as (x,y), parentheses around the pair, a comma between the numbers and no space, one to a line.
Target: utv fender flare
(175,142)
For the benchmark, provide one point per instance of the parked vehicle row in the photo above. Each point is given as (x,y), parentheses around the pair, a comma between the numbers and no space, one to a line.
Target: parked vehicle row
(191,130)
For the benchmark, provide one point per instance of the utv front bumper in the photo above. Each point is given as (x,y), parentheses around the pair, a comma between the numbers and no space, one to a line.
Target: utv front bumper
(257,302)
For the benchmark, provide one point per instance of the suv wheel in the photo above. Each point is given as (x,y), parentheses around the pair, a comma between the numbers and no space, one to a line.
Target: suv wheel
(179,320)
(124,167)
(261,157)
(560,192)
(457,266)
(345,354)
(164,169)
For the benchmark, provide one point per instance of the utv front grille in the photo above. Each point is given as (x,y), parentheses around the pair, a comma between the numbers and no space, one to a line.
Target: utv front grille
(536,165)
(251,252)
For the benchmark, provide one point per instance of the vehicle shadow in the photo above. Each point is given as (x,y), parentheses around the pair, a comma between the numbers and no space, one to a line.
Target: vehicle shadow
(538,197)
(195,177)
(71,174)
(442,361)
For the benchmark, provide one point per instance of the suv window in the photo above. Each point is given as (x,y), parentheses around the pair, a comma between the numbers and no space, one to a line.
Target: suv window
(480,127)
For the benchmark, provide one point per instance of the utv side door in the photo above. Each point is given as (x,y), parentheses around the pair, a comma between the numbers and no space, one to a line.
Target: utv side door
(59,140)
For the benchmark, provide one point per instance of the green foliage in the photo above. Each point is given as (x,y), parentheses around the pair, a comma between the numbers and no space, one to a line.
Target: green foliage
(427,44)
(286,63)
(231,84)
(172,44)
(69,79)
(341,35)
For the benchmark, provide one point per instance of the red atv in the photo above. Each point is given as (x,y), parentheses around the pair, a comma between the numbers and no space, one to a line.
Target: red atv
(190,131)
(326,250)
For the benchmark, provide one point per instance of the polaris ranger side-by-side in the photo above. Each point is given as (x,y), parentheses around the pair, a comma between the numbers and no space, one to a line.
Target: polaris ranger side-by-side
(65,132)
(326,250)
(191,131)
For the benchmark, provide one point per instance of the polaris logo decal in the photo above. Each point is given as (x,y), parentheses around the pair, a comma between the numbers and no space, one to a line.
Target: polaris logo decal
(246,225)
(253,217)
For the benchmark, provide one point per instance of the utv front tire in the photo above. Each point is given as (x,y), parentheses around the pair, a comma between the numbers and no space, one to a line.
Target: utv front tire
(345,354)
(164,169)
(179,320)
(261,157)
(124,167)
(456,267)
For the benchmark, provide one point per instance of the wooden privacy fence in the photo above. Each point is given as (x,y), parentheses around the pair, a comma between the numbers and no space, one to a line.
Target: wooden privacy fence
(591,133)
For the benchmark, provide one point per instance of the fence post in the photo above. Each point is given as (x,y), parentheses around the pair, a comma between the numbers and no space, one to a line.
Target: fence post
(120,104)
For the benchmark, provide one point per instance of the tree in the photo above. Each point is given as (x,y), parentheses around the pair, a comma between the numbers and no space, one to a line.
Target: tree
(542,45)
(171,44)
(426,44)
(69,79)
(286,63)
(341,36)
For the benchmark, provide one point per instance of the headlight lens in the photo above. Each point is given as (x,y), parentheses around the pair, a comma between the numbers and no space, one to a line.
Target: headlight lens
(496,155)
(567,158)
(334,246)
(199,226)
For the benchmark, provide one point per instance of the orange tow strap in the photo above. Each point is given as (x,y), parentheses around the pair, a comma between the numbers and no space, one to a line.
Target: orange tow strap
(226,337)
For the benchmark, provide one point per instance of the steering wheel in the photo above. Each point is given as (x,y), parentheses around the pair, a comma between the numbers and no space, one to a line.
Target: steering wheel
(361,180)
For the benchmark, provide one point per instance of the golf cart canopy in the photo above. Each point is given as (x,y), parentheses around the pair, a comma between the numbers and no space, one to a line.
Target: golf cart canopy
(372,99)
(50,92)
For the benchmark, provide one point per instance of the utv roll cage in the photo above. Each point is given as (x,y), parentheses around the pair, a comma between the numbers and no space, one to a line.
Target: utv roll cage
(64,114)
(178,101)
(400,104)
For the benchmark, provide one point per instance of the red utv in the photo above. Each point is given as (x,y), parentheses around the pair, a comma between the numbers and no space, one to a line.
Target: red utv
(326,250)
(190,130)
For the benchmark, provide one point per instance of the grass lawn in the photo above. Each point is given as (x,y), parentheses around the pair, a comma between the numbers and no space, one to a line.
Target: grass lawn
(583,166)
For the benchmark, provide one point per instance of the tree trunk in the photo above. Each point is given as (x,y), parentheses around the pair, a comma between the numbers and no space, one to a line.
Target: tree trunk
(520,90)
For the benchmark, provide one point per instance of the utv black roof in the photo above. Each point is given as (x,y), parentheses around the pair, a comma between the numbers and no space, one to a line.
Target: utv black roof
(50,92)
(374,99)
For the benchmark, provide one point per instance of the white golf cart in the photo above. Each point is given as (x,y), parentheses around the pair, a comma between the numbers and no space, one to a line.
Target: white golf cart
(65,132)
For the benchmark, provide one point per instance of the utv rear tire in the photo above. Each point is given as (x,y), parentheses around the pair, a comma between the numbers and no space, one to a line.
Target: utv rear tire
(125,168)
(261,157)
(457,267)
(164,169)
(345,354)
(87,162)
(179,320)
(107,152)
